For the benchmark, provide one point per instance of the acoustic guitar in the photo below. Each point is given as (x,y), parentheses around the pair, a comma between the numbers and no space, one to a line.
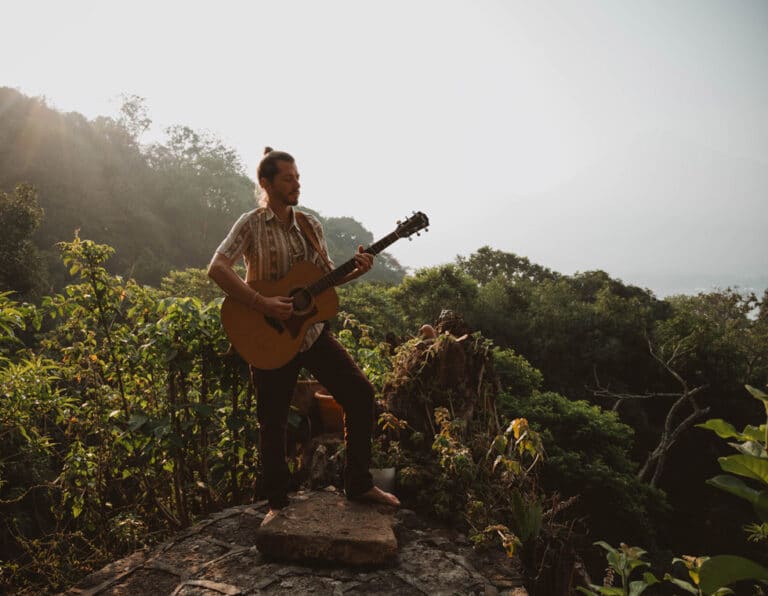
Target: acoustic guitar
(267,342)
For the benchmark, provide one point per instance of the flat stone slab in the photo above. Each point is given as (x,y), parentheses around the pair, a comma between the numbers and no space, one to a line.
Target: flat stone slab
(326,527)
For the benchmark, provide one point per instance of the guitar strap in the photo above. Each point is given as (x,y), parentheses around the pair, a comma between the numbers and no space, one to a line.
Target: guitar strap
(309,234)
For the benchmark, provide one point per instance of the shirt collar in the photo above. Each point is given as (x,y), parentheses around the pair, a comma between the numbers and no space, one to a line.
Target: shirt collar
(294,223)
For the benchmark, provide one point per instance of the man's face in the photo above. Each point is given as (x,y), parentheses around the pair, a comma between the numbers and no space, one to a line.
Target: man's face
(284,187)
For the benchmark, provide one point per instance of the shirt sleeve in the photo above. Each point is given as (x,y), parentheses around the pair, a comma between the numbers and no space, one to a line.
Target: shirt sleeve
(237,241)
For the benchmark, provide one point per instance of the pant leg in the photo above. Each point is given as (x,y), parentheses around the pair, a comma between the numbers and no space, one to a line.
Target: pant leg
(333,367)
(273,400)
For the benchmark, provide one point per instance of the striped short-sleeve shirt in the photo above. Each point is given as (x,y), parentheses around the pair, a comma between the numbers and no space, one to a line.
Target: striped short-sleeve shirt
(270,250)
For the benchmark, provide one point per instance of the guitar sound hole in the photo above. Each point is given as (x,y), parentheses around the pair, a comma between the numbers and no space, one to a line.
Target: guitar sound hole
(302,300)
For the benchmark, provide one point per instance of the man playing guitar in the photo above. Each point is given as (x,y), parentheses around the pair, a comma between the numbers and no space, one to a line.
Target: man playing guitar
(271,241)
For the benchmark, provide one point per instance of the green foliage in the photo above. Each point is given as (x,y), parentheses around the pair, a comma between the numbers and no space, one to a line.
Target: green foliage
(14,317)
(21,268)
(747,468)
(423,295)
(163,206)
(343,236)
(516,375)
(488,264)
(190,283)
(623,562)
(714,575)
(375,305)
(131,420)
(371,356)
(588,454)
(750,465)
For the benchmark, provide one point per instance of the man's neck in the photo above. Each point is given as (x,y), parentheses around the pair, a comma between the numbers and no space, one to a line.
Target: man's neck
(282,211)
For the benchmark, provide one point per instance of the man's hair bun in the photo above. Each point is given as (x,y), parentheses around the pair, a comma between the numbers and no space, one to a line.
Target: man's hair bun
(268,165)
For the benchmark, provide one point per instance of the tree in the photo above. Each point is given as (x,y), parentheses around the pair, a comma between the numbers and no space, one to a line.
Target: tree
(344,234)
(487,264)
(21,268)
(432,289)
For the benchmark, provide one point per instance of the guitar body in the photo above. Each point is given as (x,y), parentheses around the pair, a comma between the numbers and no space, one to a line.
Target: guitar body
(268,343)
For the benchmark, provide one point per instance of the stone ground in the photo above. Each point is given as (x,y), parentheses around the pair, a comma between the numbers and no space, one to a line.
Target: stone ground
(219,556)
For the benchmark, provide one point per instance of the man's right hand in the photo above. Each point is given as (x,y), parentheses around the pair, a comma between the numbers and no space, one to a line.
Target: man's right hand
(279,307)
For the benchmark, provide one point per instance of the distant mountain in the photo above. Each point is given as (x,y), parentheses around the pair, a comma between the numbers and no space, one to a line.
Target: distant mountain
(664,214)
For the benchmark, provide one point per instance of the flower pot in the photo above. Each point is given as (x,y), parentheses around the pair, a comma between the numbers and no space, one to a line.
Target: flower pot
(331,413)
(304,393)
(384,478)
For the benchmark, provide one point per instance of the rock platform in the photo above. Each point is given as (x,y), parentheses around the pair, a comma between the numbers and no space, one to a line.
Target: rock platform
(219,556)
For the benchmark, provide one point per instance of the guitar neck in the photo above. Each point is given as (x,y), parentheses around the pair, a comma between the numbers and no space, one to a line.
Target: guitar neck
(334,277)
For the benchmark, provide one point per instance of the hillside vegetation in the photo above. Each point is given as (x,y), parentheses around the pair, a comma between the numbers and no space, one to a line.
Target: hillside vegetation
(163,206)
(124,417)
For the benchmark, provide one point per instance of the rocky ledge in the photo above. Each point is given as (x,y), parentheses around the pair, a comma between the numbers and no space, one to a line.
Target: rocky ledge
(220,556)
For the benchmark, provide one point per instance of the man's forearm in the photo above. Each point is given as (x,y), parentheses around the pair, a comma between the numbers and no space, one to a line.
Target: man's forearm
(233,285)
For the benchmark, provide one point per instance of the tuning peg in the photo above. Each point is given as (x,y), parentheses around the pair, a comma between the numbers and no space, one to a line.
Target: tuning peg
(410,238)
(418,233)
(398,222)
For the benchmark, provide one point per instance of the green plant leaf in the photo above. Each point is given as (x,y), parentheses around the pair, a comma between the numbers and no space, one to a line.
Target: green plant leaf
(136,421)
(758,394)
(754,433)
(637,587)
(682,584)
(723,429)
(754,448)
(748,466)
(723,570)
(761,505)
(735,486)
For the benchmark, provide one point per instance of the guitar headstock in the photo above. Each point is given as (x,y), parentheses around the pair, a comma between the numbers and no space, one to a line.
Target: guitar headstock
(416,222)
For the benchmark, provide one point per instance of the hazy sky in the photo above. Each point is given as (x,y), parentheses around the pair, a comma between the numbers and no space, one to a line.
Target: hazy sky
(504,121)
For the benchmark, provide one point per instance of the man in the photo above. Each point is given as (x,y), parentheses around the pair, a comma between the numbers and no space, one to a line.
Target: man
(271,242)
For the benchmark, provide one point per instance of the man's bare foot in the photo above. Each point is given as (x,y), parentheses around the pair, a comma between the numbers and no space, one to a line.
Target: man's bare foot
(378,496)
(271,514)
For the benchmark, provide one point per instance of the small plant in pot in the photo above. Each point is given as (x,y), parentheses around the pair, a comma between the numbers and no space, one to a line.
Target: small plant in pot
(386,453)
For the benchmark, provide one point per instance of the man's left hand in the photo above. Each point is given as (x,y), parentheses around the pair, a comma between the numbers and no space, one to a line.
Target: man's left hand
(363,260)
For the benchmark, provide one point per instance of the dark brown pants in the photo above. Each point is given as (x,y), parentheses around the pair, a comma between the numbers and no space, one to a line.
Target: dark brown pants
(332,366)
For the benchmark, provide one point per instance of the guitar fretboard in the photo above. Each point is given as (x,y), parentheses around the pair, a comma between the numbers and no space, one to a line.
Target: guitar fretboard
(334,277)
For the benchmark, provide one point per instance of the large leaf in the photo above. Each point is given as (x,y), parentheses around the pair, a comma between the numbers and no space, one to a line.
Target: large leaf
(748,466)
(735,486)
(757,394)
(750,448)
(761,505)
(723,429)
(136,421)
(639,586)
(724,570)
(687,586)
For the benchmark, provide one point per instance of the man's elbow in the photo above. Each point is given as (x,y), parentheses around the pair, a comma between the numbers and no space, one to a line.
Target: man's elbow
(214,268)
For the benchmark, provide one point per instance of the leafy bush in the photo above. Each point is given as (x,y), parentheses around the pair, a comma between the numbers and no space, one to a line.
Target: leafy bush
(128,421)
(587,452)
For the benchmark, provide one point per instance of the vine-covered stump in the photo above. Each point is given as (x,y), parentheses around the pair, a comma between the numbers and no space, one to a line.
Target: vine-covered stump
(326,527)
(448,371)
